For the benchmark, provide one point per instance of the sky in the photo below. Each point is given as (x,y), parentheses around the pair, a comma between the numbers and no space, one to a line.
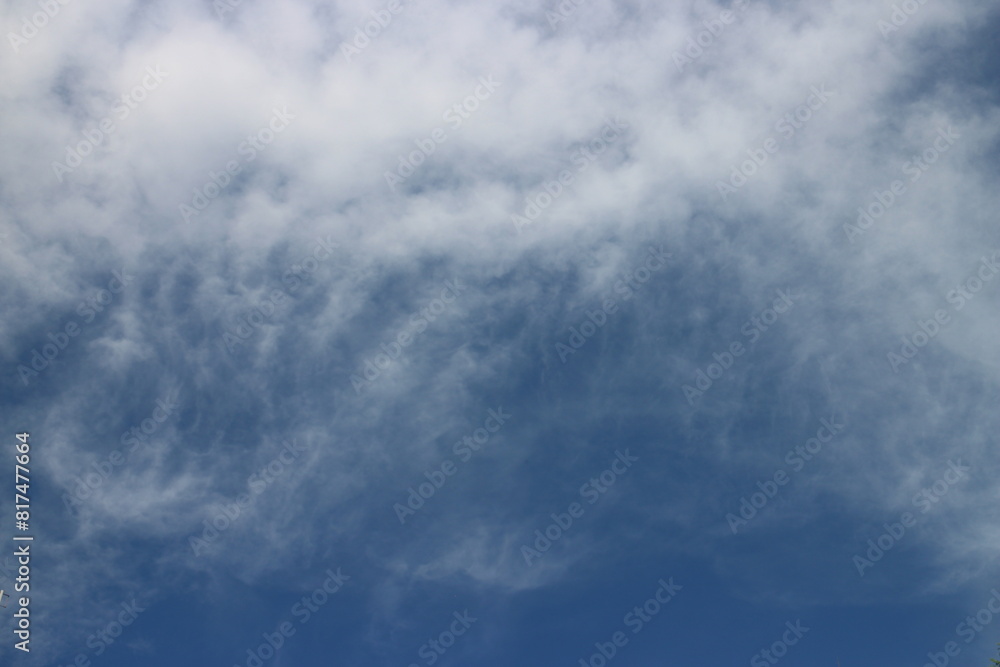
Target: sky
(426,332)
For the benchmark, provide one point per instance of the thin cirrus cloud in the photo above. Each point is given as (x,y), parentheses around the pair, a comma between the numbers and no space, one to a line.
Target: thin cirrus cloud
(247,264)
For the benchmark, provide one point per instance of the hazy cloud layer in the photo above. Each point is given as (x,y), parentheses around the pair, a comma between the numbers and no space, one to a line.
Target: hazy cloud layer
(352,248)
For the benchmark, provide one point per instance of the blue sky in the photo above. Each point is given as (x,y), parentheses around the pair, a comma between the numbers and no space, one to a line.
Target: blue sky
(611,332)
